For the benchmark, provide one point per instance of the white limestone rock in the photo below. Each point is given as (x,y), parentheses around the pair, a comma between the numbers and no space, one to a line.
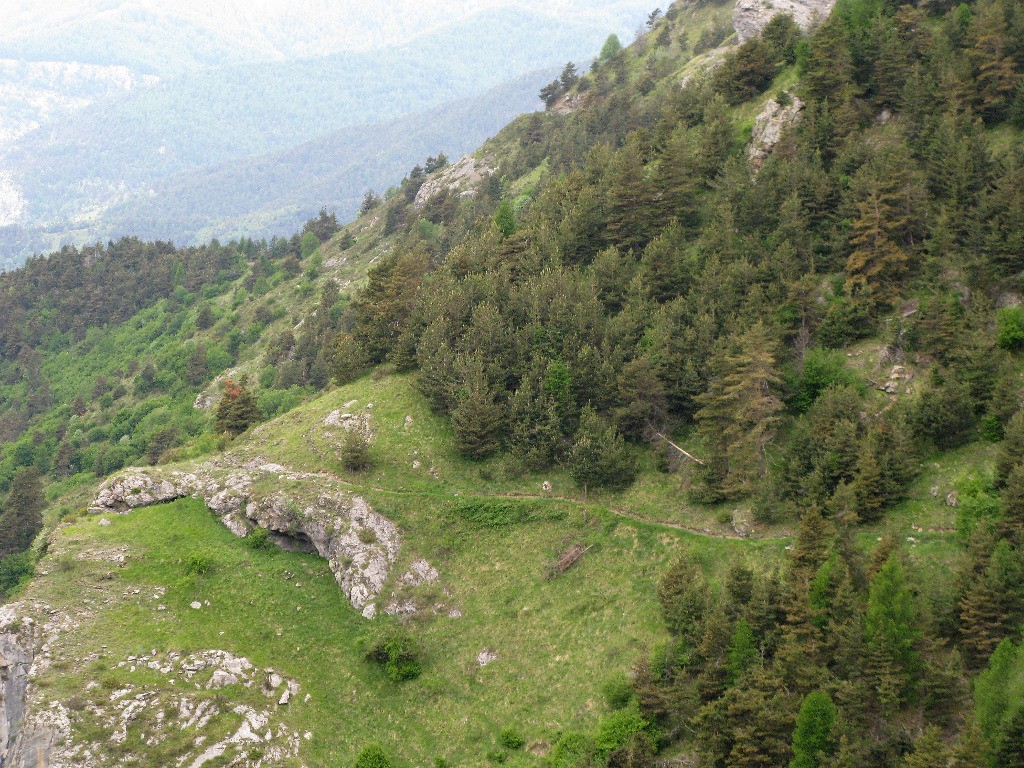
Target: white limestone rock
(749,17)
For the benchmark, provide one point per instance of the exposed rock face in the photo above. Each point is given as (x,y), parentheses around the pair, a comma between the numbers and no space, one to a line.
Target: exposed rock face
(315,514)
(770,125)
(749,17)
(17,652)
(463,178)
(30,734)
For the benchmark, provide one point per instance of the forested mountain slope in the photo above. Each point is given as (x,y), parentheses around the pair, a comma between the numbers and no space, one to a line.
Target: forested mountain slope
(681,422)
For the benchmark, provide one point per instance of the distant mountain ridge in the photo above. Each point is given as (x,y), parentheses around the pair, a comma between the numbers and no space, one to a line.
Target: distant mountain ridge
(275,193)
(60,178)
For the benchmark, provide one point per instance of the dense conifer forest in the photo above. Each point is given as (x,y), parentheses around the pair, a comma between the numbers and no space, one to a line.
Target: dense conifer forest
(630,292)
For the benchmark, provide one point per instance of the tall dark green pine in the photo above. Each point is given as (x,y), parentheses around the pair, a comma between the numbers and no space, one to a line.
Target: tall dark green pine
(478,417)
(742,653)
(1011,450)
(21,518)
(1013,500)
(992,607)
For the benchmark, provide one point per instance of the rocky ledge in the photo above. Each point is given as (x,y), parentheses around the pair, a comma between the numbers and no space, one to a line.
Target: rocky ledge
(749,17)
(314,515)
(769,126)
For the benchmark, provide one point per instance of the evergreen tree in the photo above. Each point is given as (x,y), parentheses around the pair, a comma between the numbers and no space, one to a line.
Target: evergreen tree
(826,66)
(477,417)
(929,750)
(683,594)
(814,737)
(869,488)
(1011,450)
(505,219)
(993,606)
(997,691)
(876,264)
(611,48)
(355,449)
(1013,500)
(740,410)
(1010,751)
(742,653)
(891,635)
(599,457)
(237,409)
(372,756)
(21,518)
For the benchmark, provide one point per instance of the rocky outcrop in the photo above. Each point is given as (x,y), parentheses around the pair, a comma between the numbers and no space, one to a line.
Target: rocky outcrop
(314,514)
(17,652)
(749,17)
(463,178)
(769,126)
(31,733)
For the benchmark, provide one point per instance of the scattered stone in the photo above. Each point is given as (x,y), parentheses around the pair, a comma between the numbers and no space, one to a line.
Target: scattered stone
(104,521)
(486,657)
(953,499)
(196,605)
(408,421)
(419,573)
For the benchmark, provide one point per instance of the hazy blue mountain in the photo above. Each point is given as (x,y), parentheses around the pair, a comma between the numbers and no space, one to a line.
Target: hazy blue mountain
(106,136)
(273,194)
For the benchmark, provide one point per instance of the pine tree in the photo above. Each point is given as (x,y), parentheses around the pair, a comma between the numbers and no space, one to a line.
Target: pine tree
(742,653)
(971,751)
(996,73)
(611,48)
(992,607)
(505,219)
(814,540)
(478,417)
(1010,751)
(21,518)
(876,264)
(995,691)
(740,410)
(1011,450)
(599,457)
(814,738)
(683,594)
(372,756)
(355,449)
(891,635)
(237,409)
(1013,500)
(929,750)
(869,488)
(827,69)
(64,461)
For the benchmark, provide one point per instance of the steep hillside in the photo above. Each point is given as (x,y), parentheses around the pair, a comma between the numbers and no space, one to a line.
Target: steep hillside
(679,423)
